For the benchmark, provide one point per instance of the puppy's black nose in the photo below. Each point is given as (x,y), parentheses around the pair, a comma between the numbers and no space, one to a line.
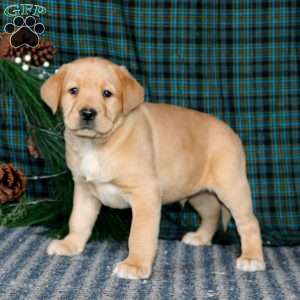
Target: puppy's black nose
(88,114)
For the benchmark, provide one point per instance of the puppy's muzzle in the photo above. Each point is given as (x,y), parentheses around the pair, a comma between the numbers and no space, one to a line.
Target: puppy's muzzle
(87,117)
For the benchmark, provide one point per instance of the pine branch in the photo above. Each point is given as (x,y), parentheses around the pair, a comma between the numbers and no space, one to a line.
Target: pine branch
(47,132)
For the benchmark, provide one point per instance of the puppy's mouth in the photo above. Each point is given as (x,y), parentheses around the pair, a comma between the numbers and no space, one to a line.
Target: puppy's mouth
(86,125)
(89,128)
(90,132)
(85,132)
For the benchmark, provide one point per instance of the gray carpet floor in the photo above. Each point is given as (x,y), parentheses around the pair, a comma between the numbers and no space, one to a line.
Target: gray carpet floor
(180,272)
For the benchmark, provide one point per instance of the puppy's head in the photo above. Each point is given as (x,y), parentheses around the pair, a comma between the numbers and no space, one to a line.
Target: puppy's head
(93,95)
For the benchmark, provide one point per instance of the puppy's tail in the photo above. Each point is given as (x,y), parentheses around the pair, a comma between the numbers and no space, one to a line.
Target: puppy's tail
(225,216)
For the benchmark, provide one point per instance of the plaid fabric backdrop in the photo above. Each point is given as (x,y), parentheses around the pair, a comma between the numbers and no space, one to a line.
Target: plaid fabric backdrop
(238,60)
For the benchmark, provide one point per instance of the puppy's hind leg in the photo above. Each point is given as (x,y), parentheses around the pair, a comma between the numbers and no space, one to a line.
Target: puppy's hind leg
(237,197)
(209,209)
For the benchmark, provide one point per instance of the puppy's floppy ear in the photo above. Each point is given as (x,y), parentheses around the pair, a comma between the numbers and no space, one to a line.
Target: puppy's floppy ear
(132,91)
(52,88)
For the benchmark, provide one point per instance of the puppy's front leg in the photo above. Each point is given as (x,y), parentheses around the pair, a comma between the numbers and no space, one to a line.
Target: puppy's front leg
(84,214)
(143,237)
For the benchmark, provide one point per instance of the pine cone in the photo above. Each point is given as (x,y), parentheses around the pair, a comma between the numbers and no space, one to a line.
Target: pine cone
(12,183)
(33,148)
(4,44)
(45,51)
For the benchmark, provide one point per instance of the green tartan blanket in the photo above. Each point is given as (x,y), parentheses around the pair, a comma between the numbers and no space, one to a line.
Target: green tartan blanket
(237,60)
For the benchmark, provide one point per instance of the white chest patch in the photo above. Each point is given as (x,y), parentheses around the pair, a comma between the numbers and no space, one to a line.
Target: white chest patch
(93,166)
(111,196)
(96,170)
(90,167)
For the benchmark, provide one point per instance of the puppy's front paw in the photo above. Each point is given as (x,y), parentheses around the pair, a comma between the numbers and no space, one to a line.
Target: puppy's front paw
(130,270)
(64,247)
(195,239)
(250,264)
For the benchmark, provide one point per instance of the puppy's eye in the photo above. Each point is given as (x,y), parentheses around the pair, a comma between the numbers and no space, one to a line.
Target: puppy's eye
(107,93)
(74,91)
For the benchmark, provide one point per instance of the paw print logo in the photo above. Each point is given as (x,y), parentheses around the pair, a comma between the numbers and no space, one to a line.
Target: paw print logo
(24,32)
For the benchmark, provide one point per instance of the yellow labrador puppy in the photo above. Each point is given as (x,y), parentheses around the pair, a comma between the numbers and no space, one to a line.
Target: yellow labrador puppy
(126,153)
